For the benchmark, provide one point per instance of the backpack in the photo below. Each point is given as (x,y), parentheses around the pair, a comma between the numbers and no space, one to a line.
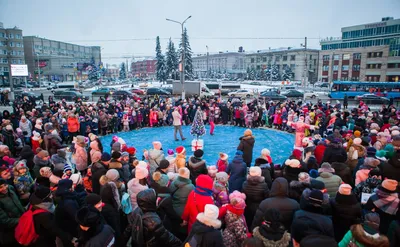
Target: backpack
(126,203)
(25,233)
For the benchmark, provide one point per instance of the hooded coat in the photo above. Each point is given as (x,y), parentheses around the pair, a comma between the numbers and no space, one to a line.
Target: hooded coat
(278,199)
(256,191)
(180,190)
(110,211)
(364,236)
(98,170)
(331,181)
(80,157)
(39,163)
(391,169)
(134,187)
(27,154)
(155,156)
(196,166)
(66,210)
(154,232)
(206,232)
(267,170)
(246,145)
(283,242)
(334,152)
(237,170)
(343,171)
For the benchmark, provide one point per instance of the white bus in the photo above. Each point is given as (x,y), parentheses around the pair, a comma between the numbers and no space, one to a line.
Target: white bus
(229,87)
(214,87)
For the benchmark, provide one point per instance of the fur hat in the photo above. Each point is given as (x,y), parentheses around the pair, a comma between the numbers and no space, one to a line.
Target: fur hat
(141,172)
(210,216)
(180,150)
(248,132)
(345,189)
(76,178)
(223,156)
(326,167)
(255,171)
(48,127)
(390,184)
(294,163)
(36,136)
(157,145)
(184,172)
(304,177)
(112,174)
(222,177)
(357,141)
(198,153)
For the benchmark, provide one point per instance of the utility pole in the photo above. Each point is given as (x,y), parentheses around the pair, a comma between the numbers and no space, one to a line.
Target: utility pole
(208,76)
(306,64)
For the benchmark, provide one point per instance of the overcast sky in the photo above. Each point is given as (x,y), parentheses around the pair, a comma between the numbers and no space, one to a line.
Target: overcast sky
(222,25)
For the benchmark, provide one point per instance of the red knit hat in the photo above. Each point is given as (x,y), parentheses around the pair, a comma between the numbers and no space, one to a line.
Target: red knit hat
(297,153)
(131,150)
(204,181)
(180,150)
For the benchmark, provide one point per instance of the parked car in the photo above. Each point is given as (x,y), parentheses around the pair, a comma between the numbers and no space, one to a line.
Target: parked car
(255,83)
(321,84)
(373,99)
(272,96)
(119,94)
(101,91)
(31,96)
(70,95)
(157,91)
(293,94)
(314,94)
(241,93)
(138,91)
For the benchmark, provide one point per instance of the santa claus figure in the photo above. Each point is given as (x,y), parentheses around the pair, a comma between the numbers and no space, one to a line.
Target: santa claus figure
(300,128)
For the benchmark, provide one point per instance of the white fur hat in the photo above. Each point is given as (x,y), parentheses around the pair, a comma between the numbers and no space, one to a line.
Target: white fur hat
(292,163)
(374,131)
(357,141)
(211,211)
(255,171)
(265,152)
(395,132)
(142,164)
(76,178)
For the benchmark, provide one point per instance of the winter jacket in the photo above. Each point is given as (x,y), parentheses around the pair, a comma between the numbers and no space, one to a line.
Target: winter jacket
(102,236)
(155,156)
(66,210)
(237,170)
(283,242)
(39,163)
(98,170)
(195,204)
(23,184)
(346,211)
(115,164)
(154,232)
(196,167)
(220,194)
(80,158)
(256,191)
(73,124)
(246,146)
(235,231)
(180,190)
(278,199)
(334,152)
(206,234)
(359,234)
(58,164)
(368,186)
(10,212)
(267,170)
(292,174)
(27,154)
(394,233)
(332,182)
(317,223)
(296,189)
(110,211)
(319,153)
(391,169)
(344,172)
(26,127)
(134,187)
(180,161)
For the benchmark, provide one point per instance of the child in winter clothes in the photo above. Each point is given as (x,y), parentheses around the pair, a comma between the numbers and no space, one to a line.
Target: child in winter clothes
(172,161)
(23,181)
(67,171)
(212,171)
(87,180)
(36,141)
(125,122)
(222,162)
(369,164)
(80,155)
(220,189)
(236,230)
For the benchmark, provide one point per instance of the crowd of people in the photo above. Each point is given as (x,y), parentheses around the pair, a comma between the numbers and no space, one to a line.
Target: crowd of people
(59,187)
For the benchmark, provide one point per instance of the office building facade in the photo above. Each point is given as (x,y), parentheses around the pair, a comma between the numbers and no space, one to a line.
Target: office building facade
(144,68)
(224,63)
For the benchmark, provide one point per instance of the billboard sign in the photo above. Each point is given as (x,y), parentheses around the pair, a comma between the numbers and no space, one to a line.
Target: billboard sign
(19,70)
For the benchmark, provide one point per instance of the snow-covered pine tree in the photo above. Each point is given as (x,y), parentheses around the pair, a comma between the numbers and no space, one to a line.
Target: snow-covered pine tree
(160,66)
(172,61)
(268,73)
(188,55)
(122,71)
(287,73)
(198,129)
(275,73)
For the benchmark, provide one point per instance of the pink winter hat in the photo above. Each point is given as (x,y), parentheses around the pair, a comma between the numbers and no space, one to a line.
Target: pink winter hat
(237,199)
(345,189)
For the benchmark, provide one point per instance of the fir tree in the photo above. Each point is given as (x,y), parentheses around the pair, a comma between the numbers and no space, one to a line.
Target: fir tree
(171,61)
(268,73)
(160,69)
(275,73)
(122,72)
(92,71)
(188,56)
(287,73)
(198,128)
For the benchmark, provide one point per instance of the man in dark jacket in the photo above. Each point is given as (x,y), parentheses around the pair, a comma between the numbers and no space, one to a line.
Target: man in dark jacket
(10,212)
(391,169)
(334,152)
(310,220)
(246,145)
(237,171)
(197,165)
(278,199)
(154,232)
(92,230)
(99,169)
(67,207)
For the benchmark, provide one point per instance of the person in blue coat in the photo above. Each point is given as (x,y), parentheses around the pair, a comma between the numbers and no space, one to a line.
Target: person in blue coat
(237,170)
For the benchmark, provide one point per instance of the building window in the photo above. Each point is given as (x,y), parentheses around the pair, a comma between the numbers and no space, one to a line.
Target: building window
(325,68)
(346,56)
(2,35)
(252,60)
(356,56)
(5,69)
(335,57)
(5,60)
(264,59)
(374,66)
(310,57)
(292,57)
(18,44)
(335,67)
(292,66)
(393,65)
(284,58)
(11,35)
(277,58)
(356,67)
(345,67)
(20,61)
(4,52)
(315,62)
(258,59)
(325,57)
(11,44)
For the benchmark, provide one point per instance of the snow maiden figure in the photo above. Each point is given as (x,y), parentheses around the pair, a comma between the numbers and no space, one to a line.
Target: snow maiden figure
(300,128)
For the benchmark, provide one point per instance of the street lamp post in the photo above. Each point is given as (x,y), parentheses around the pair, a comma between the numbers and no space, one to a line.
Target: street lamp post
(208,75)
(183,54)
(38,67)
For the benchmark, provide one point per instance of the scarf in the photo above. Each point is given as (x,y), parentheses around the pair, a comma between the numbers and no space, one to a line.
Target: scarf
(48,206)
(203,191)
(387,202)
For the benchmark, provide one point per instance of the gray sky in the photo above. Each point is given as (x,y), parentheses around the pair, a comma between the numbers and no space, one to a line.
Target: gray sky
(238,22)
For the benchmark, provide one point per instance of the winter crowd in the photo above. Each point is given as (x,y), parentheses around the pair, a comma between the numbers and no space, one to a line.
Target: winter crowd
(58,186)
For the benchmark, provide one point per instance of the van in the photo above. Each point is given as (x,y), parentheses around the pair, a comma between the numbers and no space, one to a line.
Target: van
(287,88)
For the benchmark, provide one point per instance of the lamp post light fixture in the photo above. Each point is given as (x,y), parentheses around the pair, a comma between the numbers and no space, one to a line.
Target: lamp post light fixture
(182,70)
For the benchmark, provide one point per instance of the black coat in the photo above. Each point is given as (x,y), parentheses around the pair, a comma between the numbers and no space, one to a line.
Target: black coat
(267,170)
(296,189)
(346,211)
(256,191)
(394,233)
(65,212)
(391,169)
(246,146)
(206,236)
(101,235)
(334,152)
(27,154)
(278,199)
(237,170)
(292,174)
(343,171)
(307,223)
(98,170)
(196,167)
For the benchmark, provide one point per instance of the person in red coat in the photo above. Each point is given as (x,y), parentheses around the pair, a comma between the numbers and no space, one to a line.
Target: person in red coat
(197,200)
(319,152)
